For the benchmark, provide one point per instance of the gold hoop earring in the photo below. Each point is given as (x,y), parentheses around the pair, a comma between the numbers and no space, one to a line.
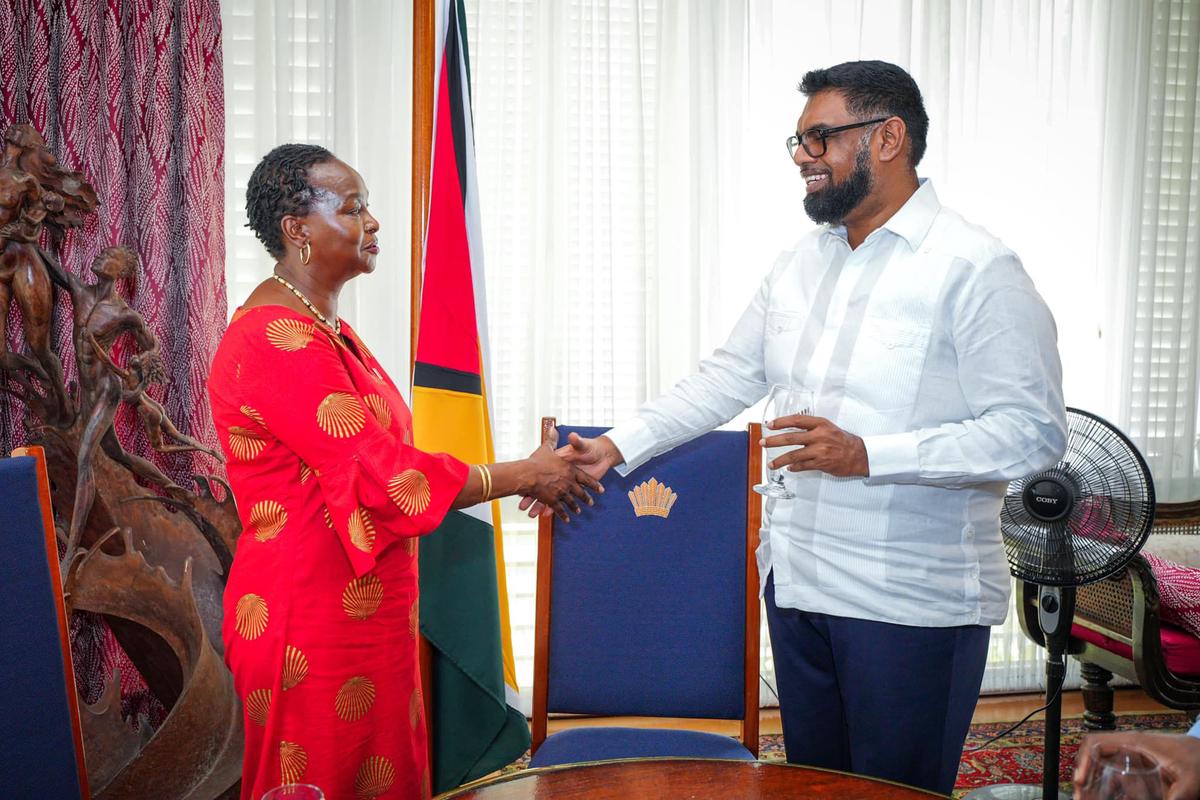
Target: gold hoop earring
(306,253)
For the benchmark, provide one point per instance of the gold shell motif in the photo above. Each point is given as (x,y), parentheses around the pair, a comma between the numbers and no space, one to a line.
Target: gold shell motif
(652,498)
(379,409)
(410,491)
(305,473)
(362,530)
(244,444)
(267,518)
(250,616)
(258,706)
(354,699)
(362,596)
(375,777)
(410,545)
(414,619)
(252,414)
(340,415)
(414,708)
(292,761)
(328,517)
(295,667)
(290,335)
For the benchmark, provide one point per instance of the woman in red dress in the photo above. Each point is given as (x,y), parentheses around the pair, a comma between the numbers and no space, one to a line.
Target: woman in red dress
(321,605)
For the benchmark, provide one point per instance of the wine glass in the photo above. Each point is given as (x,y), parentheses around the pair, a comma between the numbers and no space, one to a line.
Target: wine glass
(1123,775)
(781,402)
(295,791)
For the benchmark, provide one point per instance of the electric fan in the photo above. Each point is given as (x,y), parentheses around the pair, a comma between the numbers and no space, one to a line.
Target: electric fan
(1076,523)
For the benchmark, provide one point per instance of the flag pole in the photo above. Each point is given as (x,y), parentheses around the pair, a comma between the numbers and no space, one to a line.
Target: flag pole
(424,24)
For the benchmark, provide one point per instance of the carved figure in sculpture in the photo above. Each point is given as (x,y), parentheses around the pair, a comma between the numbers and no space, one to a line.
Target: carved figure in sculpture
(24,206)
(102,316)
(142,371)
(25,150)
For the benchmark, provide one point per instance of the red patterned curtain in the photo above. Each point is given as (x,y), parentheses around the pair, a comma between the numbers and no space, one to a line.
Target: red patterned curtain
(130,93)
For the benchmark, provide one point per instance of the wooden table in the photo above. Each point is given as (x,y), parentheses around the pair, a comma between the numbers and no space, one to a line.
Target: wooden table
(698,779)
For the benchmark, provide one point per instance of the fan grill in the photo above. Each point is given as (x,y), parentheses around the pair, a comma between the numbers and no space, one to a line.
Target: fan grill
(1111,518)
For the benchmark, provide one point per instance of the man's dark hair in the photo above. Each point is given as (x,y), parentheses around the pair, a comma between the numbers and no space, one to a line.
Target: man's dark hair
(278,188)
(876,89)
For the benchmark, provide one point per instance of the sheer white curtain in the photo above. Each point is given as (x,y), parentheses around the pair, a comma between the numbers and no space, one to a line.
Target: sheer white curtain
(635,190)
(1152,265)
(339,75)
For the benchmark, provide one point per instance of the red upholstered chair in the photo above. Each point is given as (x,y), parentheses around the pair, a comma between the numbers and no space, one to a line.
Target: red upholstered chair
(1120,629)
(647,605)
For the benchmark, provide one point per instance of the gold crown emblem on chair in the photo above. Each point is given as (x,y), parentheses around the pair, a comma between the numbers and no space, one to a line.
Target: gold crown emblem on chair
(652,498)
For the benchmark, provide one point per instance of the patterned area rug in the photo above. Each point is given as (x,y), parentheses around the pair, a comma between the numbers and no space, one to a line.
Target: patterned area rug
(1014,758)
(1017,757)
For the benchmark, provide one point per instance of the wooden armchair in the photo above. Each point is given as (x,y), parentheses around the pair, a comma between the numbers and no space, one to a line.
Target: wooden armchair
(1118,630)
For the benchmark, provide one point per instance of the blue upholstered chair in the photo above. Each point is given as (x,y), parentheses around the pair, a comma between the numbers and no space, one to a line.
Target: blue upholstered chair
(647,605)
(42,752)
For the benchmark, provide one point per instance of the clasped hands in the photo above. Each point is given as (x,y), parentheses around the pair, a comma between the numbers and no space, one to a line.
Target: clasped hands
(819,445)
(557,485)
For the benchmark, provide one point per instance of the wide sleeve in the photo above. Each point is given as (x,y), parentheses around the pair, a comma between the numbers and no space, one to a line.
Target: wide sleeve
(293,382)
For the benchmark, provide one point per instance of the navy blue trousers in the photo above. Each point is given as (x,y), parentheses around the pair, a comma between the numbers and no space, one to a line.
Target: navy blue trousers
(873,698)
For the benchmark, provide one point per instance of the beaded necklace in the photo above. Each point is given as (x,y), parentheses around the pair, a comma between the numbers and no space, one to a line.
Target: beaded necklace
(335,326)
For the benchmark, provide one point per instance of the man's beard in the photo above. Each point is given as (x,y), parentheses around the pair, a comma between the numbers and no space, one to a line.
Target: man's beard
(833,203)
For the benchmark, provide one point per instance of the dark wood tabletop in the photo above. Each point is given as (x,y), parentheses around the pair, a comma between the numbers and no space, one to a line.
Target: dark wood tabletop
(698,779)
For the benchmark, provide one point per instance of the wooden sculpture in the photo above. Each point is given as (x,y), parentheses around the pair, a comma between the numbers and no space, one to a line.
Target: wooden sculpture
(152,562)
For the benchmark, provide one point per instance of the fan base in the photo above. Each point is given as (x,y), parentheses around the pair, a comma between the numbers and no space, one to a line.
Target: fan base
(1010,791)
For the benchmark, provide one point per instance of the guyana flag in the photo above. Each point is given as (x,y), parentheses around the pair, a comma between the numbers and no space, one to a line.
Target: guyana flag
(477,727)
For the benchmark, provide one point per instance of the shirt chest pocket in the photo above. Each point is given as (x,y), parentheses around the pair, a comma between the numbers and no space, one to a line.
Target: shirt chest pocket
(889,356)
(781,338)
(781,322)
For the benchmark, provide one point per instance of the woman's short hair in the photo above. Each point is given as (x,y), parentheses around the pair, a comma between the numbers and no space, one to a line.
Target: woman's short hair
(279,188)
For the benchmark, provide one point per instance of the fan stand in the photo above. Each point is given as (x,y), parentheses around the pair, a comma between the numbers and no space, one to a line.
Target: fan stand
(1057,544)
(1056,610)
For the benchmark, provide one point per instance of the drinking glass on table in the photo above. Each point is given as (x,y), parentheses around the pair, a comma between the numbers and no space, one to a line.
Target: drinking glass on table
(1123,775)
(782,401)
(295,791)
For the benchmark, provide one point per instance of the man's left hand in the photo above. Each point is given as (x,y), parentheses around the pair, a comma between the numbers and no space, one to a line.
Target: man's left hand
(820,445)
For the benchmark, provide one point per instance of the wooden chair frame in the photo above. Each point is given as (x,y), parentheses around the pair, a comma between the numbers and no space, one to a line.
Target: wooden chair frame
(541,657)
(51,543)
(1124,608)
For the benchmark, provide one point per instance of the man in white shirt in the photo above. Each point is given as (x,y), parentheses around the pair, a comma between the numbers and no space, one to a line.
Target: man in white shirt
(1177,756)
(937,380)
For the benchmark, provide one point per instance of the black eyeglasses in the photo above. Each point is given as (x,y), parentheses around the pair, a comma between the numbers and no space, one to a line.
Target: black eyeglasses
(813,141)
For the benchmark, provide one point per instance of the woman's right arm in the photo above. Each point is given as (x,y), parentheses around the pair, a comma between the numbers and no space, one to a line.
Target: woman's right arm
(545,476)
(290,384)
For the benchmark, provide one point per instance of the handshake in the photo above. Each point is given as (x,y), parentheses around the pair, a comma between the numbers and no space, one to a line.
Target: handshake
(564,474)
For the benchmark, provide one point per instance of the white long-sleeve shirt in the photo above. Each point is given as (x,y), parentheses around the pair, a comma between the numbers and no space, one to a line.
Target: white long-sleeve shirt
(930,342)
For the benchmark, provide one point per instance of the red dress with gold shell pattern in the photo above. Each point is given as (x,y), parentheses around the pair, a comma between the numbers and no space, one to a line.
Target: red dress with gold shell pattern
(321,605)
